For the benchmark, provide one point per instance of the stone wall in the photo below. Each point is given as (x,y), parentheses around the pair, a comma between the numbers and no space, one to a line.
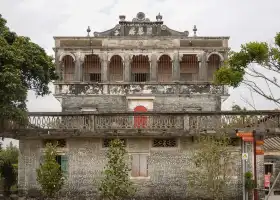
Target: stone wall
(167,167)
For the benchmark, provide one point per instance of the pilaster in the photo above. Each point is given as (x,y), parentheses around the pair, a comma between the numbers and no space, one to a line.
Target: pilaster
(21,167)
(81,69)
(104,67)
(153,68)
(77,67)
(203,65)
(126,67)
(176,67)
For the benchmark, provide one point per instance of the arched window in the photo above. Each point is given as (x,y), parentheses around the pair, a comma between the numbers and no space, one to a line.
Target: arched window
(115,69)
(164,69)
(140,68)
(92,68)
(69,68)
(189,68)
(214,63)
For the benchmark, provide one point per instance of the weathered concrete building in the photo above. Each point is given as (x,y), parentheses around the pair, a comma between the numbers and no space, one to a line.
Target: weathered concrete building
(139,66)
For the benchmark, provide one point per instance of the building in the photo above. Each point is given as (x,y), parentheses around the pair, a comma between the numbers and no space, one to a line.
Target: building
(139,66)
(272,161)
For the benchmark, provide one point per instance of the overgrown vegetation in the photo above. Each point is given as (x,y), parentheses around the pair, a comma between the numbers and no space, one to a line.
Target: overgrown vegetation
(249,181)
(49,174)
(208,174)
(116,184)
(24,66)
(8,168)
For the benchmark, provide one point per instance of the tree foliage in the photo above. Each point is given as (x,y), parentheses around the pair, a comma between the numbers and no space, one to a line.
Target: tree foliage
(116,184)
(24,66)
(210,161)
(8,167)
(49,174)
(241,67)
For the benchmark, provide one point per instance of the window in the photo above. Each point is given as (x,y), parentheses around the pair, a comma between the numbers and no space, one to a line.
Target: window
(140,77)
(95,77)
(106,142)
(170,142)
(139,166)
(189,68)
(234,142)
(186,77)
(62,160)
(268,168)
(61,143)
(140,68)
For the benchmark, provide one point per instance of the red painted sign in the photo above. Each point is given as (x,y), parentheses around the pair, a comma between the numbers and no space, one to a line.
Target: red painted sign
(267,181)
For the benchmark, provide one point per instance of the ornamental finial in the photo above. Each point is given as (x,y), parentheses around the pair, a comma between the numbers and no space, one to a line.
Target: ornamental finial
(88,30)
(194,30)
(159,17)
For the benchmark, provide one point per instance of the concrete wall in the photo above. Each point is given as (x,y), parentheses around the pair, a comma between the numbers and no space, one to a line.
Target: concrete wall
(167,167)
(160,103)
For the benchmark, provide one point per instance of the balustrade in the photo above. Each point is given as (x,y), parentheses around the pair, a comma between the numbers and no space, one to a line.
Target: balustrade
(187,122)
(139,88)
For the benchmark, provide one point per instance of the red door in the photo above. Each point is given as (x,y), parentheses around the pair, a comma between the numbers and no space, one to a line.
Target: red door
(140,121)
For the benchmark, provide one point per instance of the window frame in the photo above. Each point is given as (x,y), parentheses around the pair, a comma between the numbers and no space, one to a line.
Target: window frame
(131,160)
(102,142)
(272,167)
(178,145)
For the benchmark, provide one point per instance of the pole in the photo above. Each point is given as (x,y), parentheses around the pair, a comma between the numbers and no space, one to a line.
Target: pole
(255,165)
(243,168)
(274,183)
(246,169)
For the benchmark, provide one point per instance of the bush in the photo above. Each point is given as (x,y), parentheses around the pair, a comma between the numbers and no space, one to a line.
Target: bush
(49,174)
(116,184)
(8,168)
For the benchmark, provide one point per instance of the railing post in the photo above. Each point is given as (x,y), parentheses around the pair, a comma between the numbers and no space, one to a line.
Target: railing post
(92,123)
(186,119)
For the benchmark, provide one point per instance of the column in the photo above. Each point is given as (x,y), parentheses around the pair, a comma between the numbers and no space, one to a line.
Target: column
(81,69)
(77,67)
(153,68)
(104,67)
(21,168)
(126,67)
(203,67)
(57,66)
(176,67)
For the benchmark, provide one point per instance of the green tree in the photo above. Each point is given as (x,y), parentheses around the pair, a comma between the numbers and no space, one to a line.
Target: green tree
(8,167)
(49,174)
(116,184)
(24,66)
(209,167)
(254,60)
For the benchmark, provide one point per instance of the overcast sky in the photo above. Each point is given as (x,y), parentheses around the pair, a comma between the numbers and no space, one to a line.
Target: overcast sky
(242,20)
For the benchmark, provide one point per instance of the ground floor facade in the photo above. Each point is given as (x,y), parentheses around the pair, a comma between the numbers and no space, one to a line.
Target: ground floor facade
(159,166)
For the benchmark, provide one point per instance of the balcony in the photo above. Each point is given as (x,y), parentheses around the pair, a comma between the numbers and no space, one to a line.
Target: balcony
(141,124)
(139,89)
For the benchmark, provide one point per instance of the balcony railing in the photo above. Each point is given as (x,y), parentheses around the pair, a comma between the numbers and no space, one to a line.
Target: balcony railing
(138,88)
(150,123)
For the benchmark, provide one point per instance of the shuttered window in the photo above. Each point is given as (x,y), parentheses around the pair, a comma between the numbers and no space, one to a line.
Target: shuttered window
(139,166)
(64,164)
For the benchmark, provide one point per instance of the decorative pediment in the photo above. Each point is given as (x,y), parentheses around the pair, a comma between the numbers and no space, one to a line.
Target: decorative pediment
(140,26)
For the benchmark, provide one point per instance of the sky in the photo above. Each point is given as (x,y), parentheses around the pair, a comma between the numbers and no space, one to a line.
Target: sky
(242,20)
